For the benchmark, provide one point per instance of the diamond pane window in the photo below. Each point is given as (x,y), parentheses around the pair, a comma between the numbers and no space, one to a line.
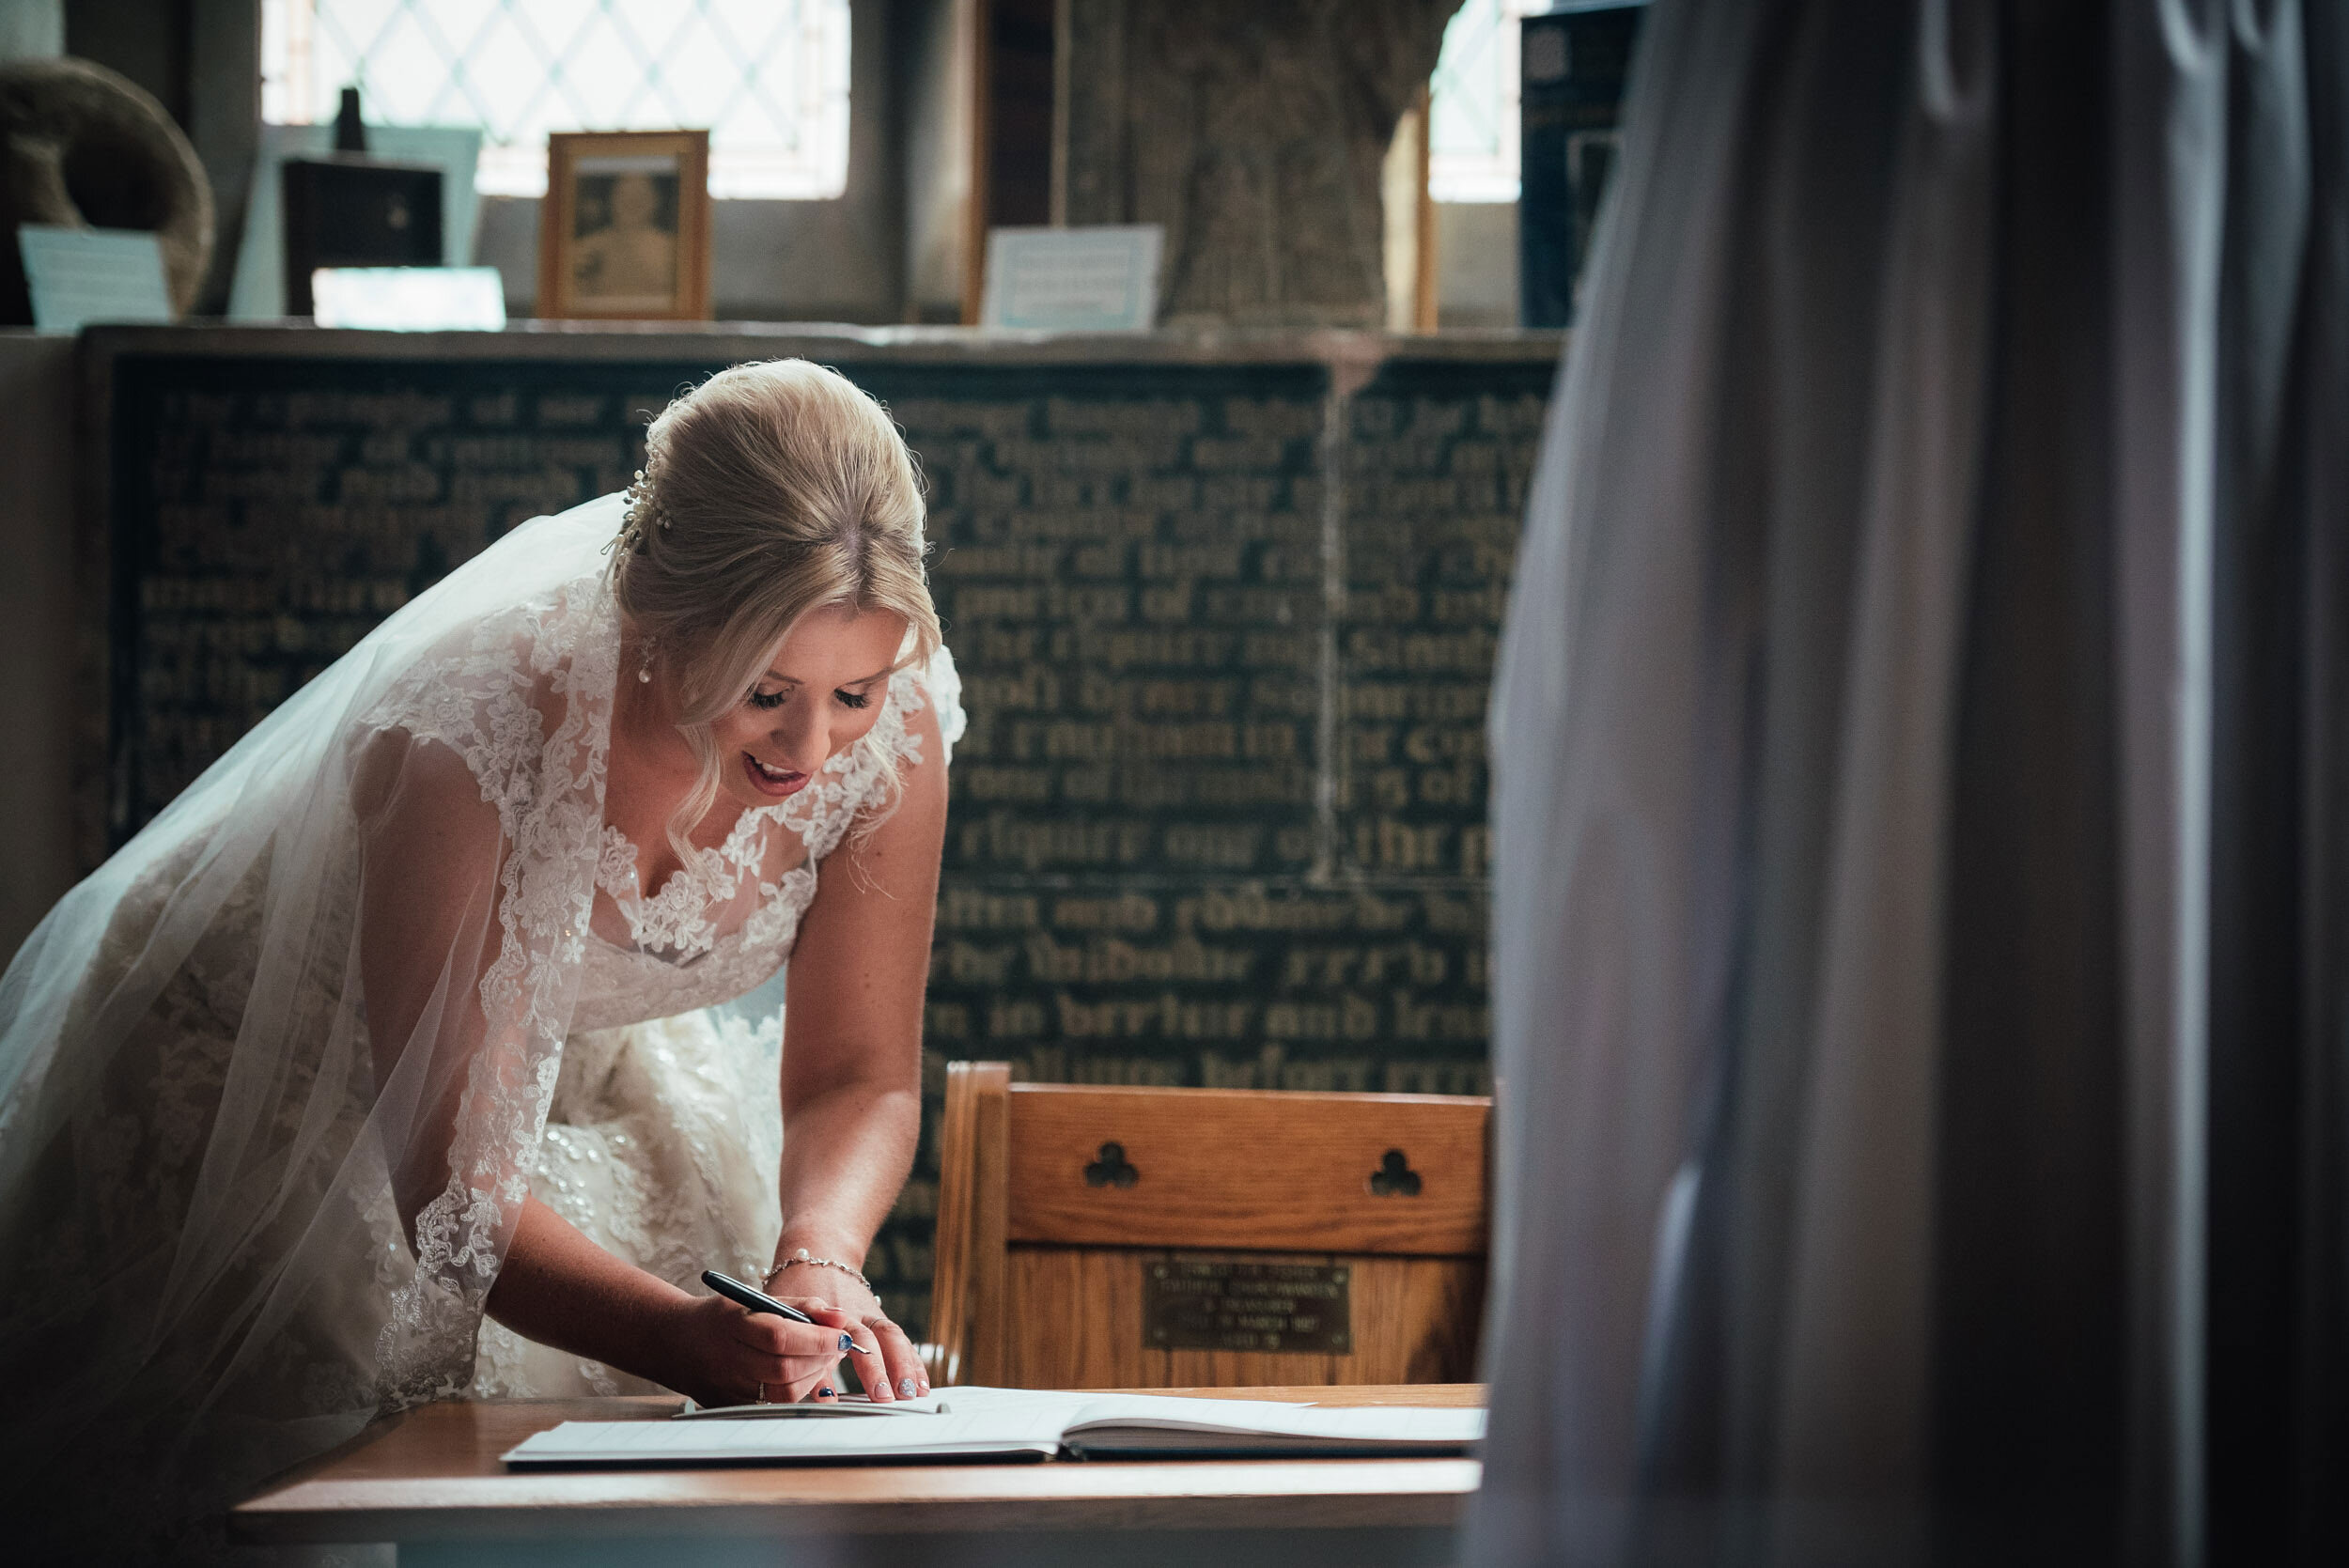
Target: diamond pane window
(768,79)
(1472,107)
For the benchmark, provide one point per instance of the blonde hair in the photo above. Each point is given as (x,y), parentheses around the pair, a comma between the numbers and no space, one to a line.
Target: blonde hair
(774,490)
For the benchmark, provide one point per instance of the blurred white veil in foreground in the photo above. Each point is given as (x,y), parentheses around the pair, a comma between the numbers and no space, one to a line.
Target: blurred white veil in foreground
(1921,805)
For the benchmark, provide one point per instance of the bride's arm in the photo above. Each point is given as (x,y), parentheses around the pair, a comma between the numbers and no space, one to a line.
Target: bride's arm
(561,1289)
(428,897)
(853,1055)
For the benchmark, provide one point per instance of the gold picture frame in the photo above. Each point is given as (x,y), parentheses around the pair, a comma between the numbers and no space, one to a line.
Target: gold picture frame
(624,231)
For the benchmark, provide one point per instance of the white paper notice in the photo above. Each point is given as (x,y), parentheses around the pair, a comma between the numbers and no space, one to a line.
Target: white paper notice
(1103,279)
(80,276)
(408,299)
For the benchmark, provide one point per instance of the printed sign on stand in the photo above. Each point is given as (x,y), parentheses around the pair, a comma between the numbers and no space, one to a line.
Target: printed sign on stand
(1099,279)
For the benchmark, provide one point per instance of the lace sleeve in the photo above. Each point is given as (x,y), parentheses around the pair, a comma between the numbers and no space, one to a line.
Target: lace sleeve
(484,696)
(523,699)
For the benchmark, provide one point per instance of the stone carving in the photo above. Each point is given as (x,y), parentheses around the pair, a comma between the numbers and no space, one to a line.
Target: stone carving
(83,147)
(1254,130)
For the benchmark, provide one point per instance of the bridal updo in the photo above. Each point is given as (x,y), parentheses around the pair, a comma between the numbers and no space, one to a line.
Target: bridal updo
(774,490)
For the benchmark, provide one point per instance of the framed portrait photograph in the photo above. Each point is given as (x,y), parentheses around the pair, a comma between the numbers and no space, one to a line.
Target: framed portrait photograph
(624,231)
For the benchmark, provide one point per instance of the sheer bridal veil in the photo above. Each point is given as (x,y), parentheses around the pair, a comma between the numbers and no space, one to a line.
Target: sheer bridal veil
(271,1079)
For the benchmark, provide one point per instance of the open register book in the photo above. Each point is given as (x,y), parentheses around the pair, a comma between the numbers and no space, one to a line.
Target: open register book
(1006,1423)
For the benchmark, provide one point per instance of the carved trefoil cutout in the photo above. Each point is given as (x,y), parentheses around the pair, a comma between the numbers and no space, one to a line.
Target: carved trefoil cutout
(1394,1177)
(1111,1169)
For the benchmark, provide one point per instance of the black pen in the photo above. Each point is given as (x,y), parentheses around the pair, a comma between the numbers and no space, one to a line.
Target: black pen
(756,1300)
(741,1295)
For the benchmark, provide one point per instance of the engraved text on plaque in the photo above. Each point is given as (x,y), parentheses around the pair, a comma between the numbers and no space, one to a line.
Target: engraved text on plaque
(1302,1308)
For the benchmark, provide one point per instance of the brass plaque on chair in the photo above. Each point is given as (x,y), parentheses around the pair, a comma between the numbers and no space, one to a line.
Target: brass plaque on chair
(1302,1307)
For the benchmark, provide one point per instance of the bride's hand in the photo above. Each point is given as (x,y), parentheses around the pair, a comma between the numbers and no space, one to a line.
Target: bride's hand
(885,1360)
(719,1354)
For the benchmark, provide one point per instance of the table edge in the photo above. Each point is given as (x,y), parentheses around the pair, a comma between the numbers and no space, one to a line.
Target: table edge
(1427,1493)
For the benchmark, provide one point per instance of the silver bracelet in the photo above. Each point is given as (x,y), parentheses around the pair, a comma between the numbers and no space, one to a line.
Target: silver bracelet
(801,1256)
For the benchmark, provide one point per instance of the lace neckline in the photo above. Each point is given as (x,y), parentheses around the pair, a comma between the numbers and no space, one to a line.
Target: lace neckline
(681,922)
(679,917)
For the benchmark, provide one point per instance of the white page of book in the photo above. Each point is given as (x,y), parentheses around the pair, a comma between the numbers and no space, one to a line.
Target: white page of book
(1365,1424)
(1007,1432)
(846,1407)
(970,1398)
(1003,1421)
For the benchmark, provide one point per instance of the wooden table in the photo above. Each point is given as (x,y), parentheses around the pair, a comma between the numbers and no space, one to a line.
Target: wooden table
(430,1479)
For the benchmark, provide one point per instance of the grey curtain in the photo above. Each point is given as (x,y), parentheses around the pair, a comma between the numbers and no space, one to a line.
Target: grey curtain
(1921,805)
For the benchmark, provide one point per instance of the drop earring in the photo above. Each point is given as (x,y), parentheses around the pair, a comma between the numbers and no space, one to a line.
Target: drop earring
(644,665)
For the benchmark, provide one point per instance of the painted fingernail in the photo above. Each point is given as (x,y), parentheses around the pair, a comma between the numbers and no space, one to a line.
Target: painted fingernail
(824,1392)
(907,1387)
(847,1342)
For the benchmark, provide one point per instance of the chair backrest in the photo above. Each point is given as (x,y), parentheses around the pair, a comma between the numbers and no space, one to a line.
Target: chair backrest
(1108,1237)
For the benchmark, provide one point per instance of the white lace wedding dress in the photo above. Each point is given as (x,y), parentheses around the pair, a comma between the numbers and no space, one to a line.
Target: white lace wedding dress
(275,1080)
(665,1130)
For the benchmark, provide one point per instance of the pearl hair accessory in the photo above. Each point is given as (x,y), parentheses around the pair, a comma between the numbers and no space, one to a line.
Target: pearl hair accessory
(642,512)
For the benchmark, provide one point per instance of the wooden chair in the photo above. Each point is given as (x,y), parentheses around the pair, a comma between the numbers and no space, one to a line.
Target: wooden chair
(1107,1238)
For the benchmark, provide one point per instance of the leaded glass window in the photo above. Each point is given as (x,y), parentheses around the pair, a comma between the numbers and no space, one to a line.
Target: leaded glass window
(1472,134)
(768,79)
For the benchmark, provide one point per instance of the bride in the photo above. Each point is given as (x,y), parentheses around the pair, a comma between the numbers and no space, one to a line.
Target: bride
(389,1064)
